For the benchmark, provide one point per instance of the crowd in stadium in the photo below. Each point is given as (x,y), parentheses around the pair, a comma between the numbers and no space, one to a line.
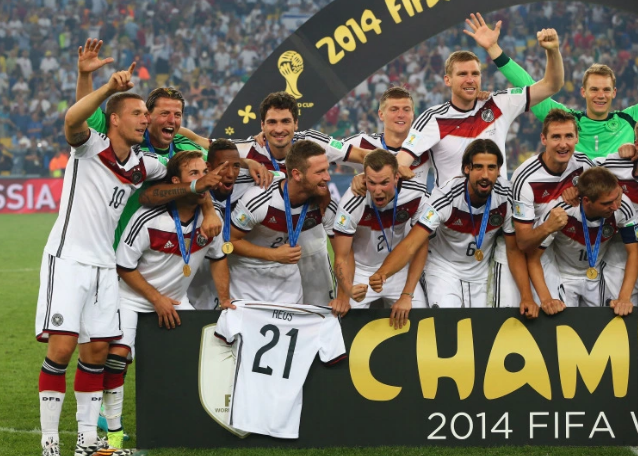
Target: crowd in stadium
(209,48)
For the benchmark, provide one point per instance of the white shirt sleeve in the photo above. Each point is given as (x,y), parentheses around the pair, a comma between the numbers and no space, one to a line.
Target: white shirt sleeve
(242,217)
(331,349)
(96,143)
(155,169)
(131,248)
(431,218)
(349,213)
(230,323)
(423,135)
(523,204)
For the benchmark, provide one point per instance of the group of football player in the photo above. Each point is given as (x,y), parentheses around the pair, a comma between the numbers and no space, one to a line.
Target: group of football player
(250,219)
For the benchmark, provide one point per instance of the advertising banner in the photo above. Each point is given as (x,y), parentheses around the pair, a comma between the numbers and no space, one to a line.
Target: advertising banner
(479,377)
(25,196)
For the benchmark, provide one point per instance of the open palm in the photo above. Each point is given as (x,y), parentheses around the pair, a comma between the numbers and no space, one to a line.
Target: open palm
(88,57)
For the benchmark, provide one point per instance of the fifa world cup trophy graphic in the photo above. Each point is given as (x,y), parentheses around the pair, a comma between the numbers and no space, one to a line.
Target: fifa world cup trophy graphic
(290,66)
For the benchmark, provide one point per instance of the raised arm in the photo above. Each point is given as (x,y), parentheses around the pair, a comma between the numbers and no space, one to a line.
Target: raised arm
(554,77)
(75,126)
(88,62)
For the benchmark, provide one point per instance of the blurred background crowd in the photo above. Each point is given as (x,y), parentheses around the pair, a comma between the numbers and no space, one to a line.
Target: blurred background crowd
(209,48)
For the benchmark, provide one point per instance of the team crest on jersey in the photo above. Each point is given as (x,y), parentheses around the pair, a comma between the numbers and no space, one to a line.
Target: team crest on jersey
(487,115)
(57,319)
(342,220)
(136,177)
(309,223)
(575,181)
(496,220)
(608,230)
(201,240)
(612,125)
(402,215)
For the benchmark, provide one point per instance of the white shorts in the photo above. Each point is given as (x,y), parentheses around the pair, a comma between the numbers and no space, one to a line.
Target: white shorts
(613,277)
(506,293)
(317,279)
(77,300)
(202,293)
(391,292)
(451,292)
(273,284)
(129,326)
(584,292)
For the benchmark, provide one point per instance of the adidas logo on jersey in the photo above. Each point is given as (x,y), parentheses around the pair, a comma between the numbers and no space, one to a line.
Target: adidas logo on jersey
(458,222)
(545,194)
(169,245)
(571,229)
(272,219)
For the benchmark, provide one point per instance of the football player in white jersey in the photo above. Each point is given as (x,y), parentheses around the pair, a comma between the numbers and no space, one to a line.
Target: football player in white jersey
(235,181)
(273,228)
(161,250)
(616,256)
(366,230)
(396,112)
(580,245)
(78,299)
(536,187)
(466,213)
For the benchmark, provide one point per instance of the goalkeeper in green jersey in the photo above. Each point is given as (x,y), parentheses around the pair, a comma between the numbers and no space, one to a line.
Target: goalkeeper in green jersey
(166,107)
(601,131)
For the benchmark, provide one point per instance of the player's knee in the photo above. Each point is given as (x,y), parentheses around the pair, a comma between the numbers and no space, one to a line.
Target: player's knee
(60,348)
(94,352)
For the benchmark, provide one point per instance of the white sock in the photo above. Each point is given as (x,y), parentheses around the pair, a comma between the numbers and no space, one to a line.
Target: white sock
(87,416)
(50,410)
(113,406)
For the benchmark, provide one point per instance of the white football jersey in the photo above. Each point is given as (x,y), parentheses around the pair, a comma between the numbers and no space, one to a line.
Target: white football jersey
(444,131)
(569,243)
(356,217)
(96,189)
(454,244)
(277,346)
(362,140)
(623,169)
(535,188)
(261,214)
(202,293)
(150,245)
(336,151)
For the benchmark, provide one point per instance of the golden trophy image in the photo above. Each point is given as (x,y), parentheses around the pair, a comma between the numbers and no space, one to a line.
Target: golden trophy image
(290,66)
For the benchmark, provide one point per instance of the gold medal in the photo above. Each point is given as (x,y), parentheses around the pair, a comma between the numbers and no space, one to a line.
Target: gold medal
(187,270)
(592,273)
(228,248)
(478,255)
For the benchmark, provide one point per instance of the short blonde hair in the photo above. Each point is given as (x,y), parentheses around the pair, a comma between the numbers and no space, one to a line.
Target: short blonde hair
(601,70)
(459,57)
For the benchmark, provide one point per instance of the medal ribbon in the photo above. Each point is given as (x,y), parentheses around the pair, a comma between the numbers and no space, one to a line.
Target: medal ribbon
(592,254)
(227,211)
(147,137)
(385,146)
(394,216)
(186,256)
(486,216)
(293,231)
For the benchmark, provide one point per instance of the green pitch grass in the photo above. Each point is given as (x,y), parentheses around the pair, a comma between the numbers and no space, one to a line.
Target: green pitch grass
(22,242)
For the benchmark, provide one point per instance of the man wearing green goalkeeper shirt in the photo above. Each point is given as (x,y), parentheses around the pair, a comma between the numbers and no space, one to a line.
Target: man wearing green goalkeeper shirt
(165,106)
(601,131)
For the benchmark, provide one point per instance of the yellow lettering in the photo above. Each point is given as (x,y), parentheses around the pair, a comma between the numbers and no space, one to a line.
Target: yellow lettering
(459,367)
(393,9)
(367,339)
(513,337)
(612,345)
(417,5)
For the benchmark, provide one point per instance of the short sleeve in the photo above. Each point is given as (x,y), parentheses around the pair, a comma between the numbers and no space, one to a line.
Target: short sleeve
(249,210)
(214,251)
(437,210)
(332,348)
(508,223)
(420,210)
(328,218)
(513,101)
(523,203)
(134,242)
(96,143)
(230,323)
(349,213)
(155,169)
(336,151)
(423,136)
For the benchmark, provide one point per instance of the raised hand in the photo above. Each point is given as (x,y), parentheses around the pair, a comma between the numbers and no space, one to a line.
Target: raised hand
(88,56)
(548,39)
(482,34)
(121,81)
